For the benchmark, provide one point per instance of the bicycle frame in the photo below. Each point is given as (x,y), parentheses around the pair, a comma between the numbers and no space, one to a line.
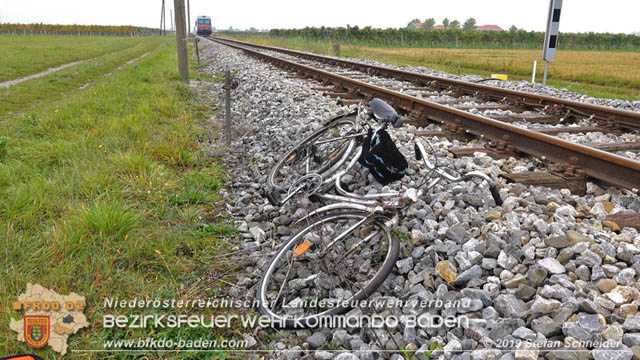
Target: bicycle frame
(375,203)
(370,203)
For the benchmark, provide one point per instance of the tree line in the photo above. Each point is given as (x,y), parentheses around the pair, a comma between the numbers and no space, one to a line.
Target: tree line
(429,23)
(456,37)
(101,30)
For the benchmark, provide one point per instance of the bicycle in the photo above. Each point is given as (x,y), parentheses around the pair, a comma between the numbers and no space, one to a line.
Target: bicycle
(326,150)
(347,248)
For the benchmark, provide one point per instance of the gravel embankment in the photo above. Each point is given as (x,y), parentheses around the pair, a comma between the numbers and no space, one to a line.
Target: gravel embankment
(588,138)
(542,267)
(514,85)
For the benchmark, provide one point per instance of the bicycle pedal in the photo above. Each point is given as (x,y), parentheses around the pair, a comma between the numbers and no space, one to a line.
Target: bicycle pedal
(416,149)
(273,196)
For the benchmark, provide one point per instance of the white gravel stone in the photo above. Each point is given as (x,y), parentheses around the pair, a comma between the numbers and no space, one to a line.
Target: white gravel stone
(551,265)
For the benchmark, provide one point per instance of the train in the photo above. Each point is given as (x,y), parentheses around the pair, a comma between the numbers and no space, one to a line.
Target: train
(203,25)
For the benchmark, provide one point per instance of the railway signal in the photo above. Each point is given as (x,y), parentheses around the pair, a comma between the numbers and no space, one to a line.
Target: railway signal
(551,37)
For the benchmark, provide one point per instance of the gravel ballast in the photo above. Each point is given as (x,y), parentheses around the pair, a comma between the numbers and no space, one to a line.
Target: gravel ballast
(542,269)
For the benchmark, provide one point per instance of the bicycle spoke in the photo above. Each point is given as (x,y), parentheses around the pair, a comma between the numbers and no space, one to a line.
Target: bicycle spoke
(316,154)
(310,269)
(357,245)
(347,232)
(285,281)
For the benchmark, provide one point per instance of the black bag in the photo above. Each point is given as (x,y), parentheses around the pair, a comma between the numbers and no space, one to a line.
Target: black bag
(383,159)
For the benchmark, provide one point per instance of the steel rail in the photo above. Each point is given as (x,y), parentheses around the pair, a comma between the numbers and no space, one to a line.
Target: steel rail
(603,166)
(610,116)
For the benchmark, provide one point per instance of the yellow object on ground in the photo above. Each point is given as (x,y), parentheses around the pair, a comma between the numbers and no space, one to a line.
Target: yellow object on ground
(500,76)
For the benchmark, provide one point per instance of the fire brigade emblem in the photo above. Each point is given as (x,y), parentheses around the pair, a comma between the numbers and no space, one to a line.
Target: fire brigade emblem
(36,330)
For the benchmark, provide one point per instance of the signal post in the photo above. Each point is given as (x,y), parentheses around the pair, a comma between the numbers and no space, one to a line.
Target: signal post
(551,37)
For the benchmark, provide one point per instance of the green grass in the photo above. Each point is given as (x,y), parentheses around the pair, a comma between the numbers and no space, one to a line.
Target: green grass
(105,191)
(605,74)
(22,97)
(24,55)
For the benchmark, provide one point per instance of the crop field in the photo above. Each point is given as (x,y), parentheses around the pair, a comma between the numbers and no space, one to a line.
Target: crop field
(104,187)
(597,73)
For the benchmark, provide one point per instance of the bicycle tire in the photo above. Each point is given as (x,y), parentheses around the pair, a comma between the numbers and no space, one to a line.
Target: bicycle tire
(347,121)
(267,283)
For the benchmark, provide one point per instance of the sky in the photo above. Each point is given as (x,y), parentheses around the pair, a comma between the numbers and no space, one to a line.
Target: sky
(615,16)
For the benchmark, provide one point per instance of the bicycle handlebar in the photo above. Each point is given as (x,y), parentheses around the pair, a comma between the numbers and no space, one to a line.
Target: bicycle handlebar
(442,172)
(493,188)
(496,195)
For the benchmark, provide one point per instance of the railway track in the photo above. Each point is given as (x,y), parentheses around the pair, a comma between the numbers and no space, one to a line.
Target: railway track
(513,127)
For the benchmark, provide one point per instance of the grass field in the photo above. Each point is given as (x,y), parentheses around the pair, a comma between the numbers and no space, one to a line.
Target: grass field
(105,191)
(600,74)
(20,98)
(29,54)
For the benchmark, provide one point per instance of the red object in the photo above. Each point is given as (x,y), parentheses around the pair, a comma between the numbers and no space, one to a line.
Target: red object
(37,329)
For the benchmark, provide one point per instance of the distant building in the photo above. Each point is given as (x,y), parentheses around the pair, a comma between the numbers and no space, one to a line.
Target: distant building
(416,25)
(440,27)
(489,28)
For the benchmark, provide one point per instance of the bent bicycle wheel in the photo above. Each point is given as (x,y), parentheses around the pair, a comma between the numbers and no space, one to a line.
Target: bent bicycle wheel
(318,153)
(326,268)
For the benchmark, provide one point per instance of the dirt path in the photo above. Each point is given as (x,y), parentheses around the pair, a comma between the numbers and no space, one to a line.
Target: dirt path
(120,67)
(128,62)
(10,83)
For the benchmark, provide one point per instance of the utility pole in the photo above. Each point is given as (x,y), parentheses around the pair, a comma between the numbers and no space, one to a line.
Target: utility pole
(188,17)
(161,16)
(164,19)
(181,39)
(172,23)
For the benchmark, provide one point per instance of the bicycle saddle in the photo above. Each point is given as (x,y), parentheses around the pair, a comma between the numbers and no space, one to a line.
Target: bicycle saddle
(385,112)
